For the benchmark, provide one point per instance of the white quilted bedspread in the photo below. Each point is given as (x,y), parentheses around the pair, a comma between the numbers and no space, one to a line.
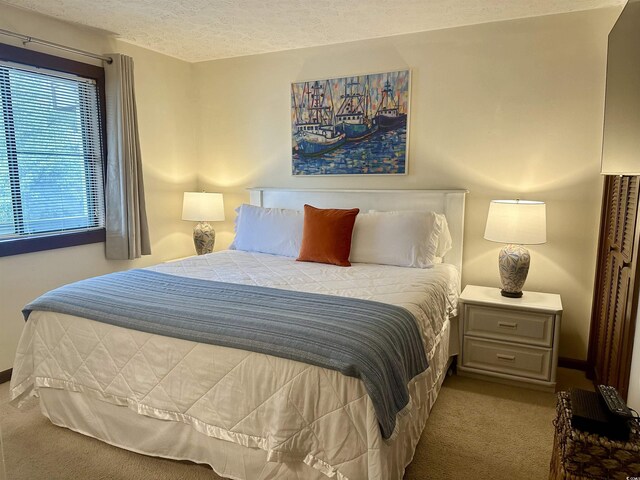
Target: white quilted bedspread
(294,411)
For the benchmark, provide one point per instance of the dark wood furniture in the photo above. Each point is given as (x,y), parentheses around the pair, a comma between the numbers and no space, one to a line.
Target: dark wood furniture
(615,300)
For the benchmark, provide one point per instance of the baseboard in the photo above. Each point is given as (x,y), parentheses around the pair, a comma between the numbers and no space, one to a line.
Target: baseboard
(573,363)
(5,376)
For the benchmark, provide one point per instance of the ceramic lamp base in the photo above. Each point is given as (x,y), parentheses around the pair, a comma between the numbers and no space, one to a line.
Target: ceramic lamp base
(204,238)
(514,266)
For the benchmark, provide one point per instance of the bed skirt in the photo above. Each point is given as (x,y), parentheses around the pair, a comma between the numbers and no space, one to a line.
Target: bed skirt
(122,427)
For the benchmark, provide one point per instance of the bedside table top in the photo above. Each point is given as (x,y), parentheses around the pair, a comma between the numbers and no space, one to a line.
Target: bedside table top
(547,302)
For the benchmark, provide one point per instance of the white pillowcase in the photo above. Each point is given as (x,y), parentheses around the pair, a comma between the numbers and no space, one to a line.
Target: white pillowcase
(405,239)
(445,242)
(277,231)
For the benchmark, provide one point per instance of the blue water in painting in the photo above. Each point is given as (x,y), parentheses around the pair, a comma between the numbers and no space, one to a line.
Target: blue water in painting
(381,153)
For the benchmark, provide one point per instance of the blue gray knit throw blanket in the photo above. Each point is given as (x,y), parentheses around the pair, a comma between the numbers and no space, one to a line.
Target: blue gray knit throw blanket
(376,342)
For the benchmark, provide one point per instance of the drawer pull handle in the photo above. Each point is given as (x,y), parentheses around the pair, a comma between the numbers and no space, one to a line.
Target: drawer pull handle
(505,357)
(507,325)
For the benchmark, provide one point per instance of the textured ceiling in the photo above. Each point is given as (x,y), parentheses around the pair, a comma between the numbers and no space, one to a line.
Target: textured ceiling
(197,30)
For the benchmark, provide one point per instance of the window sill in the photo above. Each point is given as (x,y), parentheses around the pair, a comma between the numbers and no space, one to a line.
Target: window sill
(19,246)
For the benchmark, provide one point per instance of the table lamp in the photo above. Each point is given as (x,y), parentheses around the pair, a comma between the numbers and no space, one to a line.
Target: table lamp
(516,223)
(203,207)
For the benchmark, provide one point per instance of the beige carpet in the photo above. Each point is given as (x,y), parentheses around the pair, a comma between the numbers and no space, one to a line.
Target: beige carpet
(476,430)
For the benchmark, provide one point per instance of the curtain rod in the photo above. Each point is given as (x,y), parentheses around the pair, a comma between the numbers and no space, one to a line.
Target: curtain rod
(26,39)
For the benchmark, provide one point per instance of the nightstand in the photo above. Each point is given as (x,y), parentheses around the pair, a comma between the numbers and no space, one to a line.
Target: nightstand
(510,340)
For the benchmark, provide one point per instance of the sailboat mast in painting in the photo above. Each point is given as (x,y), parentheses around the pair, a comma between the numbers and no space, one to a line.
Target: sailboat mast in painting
(389,114)
(354,115)
(315,131)
(362,131)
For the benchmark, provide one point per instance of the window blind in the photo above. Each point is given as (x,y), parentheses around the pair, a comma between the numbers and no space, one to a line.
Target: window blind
(51,153)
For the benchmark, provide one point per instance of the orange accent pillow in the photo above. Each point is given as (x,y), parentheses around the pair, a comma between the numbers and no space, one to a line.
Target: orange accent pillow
(326,235)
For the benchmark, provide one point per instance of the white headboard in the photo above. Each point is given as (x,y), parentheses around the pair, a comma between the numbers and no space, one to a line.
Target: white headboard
(449,202)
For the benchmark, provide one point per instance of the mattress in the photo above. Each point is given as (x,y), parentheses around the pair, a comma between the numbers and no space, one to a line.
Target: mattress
(296,415)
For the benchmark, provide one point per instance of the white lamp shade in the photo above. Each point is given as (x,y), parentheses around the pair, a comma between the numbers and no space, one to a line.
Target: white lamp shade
(522,222)
(202,207)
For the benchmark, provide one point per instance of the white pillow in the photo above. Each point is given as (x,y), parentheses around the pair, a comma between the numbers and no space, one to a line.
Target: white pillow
(277,231)
(406,239)
(445,242)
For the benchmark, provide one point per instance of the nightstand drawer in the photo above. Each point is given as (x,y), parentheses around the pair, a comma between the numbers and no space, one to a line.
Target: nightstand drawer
(531,362)
(532,328)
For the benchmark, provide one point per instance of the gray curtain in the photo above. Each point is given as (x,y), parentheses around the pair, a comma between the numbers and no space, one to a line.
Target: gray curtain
(126,217)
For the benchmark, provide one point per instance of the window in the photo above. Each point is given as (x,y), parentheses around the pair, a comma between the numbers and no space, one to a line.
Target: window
(51,152)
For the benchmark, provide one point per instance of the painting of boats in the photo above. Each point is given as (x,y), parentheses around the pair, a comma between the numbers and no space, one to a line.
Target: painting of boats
(388,115)
(315,131)
(353,125)
(354,117)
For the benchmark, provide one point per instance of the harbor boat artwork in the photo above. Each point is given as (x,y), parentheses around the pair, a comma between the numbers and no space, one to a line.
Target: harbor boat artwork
(351,125)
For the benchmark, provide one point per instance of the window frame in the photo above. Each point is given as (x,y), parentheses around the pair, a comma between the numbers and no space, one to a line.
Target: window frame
(38,243)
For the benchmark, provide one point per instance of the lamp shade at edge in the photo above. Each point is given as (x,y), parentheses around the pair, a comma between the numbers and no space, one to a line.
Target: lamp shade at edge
(203,207)
(521,222)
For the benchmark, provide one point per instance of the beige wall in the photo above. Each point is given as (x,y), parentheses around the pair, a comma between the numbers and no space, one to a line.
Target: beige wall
(165,106)
(505,109)
(509,109)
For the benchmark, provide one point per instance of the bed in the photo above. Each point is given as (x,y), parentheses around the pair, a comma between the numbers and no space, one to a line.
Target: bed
(251,415)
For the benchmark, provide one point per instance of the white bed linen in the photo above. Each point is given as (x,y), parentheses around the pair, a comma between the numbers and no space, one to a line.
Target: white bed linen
(296,414)
(430,294)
